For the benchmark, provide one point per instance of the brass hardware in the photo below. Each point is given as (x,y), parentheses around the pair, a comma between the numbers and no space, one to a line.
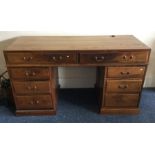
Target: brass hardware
(125,73)
(27,59)
(131,57)
(33,73)
(31,102)
(35,87)
(34,102)
(123,86)
(54,58)
(124,57)
(26,73)
(37,102)
(60,57)
(30,74)
(67,56)
(99,59)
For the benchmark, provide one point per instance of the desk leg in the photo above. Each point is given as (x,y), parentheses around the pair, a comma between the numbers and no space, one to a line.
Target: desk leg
(54,86)
(100,74)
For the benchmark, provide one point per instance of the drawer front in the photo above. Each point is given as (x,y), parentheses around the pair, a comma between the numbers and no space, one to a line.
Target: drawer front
(34,102)
(31,87)
(114,57)
(42,57)
(121,100)
(123,86)
(125,72)
(29,73)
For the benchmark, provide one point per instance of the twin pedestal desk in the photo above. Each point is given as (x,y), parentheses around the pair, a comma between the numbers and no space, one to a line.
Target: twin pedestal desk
(121,63)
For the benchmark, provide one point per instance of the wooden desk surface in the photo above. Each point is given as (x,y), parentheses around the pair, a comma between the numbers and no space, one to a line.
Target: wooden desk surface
(33,63)
(70,43)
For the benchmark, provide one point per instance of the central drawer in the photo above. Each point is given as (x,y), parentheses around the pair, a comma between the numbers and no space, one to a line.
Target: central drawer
(114,57)
(123,86)
(31,87)
(41,57)
(34,102)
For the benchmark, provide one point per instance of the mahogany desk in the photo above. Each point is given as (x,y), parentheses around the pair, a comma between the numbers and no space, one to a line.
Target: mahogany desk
(121,63)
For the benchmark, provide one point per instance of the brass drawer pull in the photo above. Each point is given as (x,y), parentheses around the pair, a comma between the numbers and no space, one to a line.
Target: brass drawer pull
(60,57)
(54,58)
(128,58)
(99,59)
(27,74)
(35,87)
(34,102)
(31,102)
(124,57)
(33,74)
(30,74)
(37,102)
(30,88)
(123,86)
(125,73)
(132,57)
(27,58)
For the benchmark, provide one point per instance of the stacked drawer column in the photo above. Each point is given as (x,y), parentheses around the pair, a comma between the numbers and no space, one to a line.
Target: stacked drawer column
(34,90)
(122,89)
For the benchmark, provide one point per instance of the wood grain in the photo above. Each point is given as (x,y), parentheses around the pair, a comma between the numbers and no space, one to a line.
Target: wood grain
(33,62)
(125,72)
(69,43)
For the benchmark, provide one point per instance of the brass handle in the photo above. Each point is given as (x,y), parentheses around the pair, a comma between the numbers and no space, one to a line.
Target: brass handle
(123,86)
(99,59)
(54,58)
(27,58)
(131,57)
(30,74)
(34,102)
(27,73)
(35,87)
(124,57)
(60,57)
(125,73)
(37,102)
(30,58)
(67,56)
(31,102)
(33,73)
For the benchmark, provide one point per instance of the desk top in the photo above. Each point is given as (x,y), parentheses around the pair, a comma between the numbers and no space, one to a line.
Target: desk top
(70,43)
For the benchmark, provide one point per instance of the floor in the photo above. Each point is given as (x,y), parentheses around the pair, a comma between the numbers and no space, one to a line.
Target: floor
(79,106)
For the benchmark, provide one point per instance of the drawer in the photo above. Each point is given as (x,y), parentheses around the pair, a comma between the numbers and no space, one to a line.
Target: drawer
(31,87)
(121,100)
(34,102)
(29,73)
(114,57)
(123,86)
(125,72)
(41,57)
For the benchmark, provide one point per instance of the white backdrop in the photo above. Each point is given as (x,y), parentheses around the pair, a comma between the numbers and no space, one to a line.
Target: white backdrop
(79,17)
